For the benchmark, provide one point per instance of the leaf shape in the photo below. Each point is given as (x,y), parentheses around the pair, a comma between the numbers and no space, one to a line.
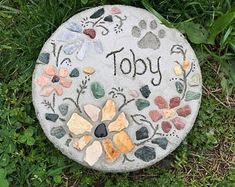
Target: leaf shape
(162,142)
(145,153)
(138,119)
(3,180)
(97,14)
(196,33)
(219,25)
(108,18)
(179,87)
(191,95)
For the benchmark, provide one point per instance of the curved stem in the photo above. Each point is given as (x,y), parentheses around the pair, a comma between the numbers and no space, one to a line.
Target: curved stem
(77,106)
(124,104)
(106,30)
(126,158)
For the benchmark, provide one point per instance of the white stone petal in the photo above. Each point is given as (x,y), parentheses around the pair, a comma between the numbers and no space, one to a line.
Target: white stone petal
(71,48)
(119,124)
(78,125)
(92,111)
(68,36)
(98,46)
(93,153)
(83,50)
(75,27)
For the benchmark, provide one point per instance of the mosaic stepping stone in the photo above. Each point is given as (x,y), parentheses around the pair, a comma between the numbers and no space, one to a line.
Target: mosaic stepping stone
(116,91)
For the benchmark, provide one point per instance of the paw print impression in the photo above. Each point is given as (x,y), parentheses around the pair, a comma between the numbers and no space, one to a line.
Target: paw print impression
(148,37)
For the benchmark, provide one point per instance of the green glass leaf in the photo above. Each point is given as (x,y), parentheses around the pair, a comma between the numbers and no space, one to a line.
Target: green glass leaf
(97,90)
(191,95)
(162,142)
(97,14)
(179,87)
(219,25)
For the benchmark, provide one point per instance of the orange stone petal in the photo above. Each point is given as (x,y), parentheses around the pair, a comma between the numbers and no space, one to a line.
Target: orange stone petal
(88,70)
(50,70)
(58,90)
(123,142)
(63,72)
(119,124)
(46,91)
(109,110)
(80,143)
(66,83)
(111,154)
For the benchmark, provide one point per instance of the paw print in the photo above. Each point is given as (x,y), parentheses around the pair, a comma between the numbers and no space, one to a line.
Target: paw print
(150,39)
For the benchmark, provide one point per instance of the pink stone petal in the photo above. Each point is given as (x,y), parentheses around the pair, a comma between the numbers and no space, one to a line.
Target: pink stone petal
(115,10)
(46,91)
(155,115)
(184,111)
(63,72)
(166,126)
(160,102)
(58,90)
(174,102)
(66,83)
(178,123)
(42,81)
(50,70)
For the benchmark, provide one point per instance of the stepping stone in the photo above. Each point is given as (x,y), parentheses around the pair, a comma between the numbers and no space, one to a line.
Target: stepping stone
(116,91)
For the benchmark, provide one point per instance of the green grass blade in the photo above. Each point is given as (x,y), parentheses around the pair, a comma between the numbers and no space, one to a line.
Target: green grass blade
(219,25)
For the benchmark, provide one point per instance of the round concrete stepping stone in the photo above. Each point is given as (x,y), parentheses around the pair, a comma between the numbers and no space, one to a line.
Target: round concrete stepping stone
(116,90)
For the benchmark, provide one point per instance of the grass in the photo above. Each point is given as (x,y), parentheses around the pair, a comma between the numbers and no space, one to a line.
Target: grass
(205,158)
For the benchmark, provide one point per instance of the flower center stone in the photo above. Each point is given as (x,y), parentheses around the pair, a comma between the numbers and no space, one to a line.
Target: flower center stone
(55,78)
(101,131)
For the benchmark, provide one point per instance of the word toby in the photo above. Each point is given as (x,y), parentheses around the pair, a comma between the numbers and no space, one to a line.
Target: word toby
(129,66)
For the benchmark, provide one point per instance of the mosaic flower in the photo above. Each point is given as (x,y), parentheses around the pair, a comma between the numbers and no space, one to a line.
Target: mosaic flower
(53,80)
(95,135)
(80,41)
(169,113)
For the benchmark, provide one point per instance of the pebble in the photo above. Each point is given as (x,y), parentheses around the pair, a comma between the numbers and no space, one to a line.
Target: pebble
(58,132)
(78,125)
(111,153)
(51,117)
(145,91)
(162,142)
(160,102)
(109,110)
(168,113)
(123,142)
(97,90)
(115,10)
(174,102)
(93,153)
(145,153)
(155,115)
(74,27)
(184,111)
(142,133)
(74,73)
(63,108)
(141,104)
(186,64)
(101,131)
(119,124)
